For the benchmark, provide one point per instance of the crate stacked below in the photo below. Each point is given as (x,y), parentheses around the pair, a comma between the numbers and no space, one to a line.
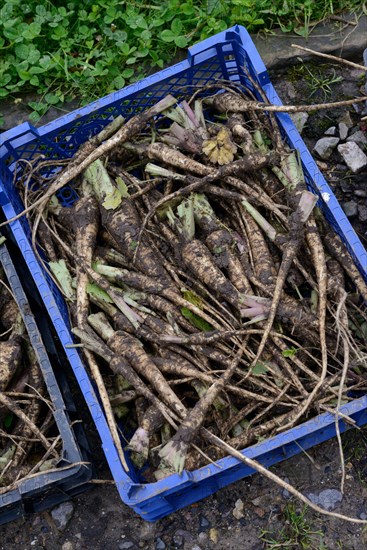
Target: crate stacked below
(72,470)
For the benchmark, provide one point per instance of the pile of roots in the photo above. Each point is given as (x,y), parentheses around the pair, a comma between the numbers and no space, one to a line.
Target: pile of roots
(215,305)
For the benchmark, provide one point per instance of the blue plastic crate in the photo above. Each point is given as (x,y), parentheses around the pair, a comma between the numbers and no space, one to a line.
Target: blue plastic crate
(220,57)
(46,489)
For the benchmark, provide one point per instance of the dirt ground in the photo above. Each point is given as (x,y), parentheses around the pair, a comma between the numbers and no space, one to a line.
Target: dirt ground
(100,520)
(270,518)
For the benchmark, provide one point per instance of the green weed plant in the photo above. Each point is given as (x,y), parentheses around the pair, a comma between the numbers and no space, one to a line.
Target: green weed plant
(81,51)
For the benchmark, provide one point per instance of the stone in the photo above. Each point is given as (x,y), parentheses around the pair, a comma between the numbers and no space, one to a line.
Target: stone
(285,492)
(350,209)
(343,131)
(330,131)
(204,522)
(275,508)
(300,120)
(360,193)
(260,512)
(203,537)
(178,541)
(238,509)
(363,515)
(322,165)
(353,156)
(36,521)
(359,137)
(324,147)
(186,535)
(147,531)
(62,514)
(362,212)
(290,90)
(159,544)
(346,119)
(327,499)
(67,546)
(358,107)
(213,535)
(196,547)
(126,545)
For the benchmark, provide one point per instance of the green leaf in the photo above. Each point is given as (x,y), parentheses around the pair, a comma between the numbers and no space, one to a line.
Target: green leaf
(46,62)
(181,41)
(187,9)
(32,30)
(259,369)
(176,26)
(168,36)
(54,205)
(37,106)
(51,99)
(8,420)
(185,213)
(125,48)
(127,73)
(98,292)
(112,200)
(291,352)
(33,56)
(118,82)
(36,70)
(195,320)
(193,298)
(41,11)
(6,78)
(212,5)
(122,187)
(24,75)
(61,272)
(34,80)
(21,51)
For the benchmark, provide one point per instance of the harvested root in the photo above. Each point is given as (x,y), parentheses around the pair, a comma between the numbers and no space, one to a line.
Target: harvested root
(200,284)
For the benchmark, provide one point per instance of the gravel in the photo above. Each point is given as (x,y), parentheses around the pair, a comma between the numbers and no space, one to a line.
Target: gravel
(324,147)
(330,131)
(353,156)
(62,514)
(359,137)
(350,209)
(160,545)
(300,120)
(204,523)
(328,499)
(343,131)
